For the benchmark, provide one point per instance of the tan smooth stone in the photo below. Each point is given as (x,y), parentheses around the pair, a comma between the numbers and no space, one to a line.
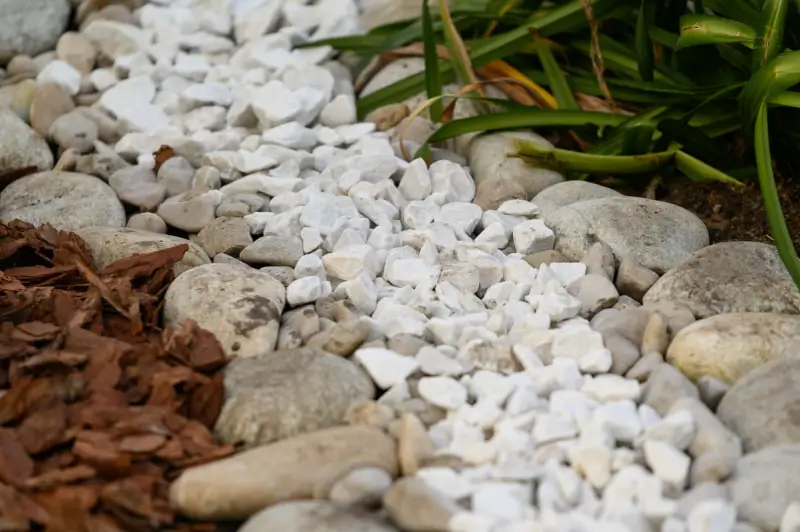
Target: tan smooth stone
(291,469)
(728,346)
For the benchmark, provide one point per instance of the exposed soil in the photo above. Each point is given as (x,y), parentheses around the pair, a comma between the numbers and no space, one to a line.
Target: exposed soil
(731,213)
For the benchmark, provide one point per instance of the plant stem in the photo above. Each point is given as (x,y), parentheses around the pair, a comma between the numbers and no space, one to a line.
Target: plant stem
(566,160)
(772,203)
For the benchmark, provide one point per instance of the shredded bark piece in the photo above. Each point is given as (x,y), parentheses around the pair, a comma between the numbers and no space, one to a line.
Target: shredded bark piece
(99,408)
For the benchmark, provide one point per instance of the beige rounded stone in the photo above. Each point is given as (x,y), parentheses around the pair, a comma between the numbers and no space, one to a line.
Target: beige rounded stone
(50,101)
(77,50)
(110,244)
(491,157)
(240,306)
(288,470)
(729,346)
(492,193)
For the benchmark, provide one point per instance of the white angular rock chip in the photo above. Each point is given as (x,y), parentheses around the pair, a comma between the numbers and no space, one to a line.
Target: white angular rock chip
(240,306)
(386,367)
(532,236)
(444,392)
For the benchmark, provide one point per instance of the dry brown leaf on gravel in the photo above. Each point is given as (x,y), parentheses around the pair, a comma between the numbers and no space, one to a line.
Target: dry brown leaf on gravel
(100,407)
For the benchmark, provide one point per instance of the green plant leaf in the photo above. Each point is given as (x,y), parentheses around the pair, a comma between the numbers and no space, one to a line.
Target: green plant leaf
(697,170)
(638,139)
(559,85)
(739,10)
(770,32)
(769,194)
(699,30)
(531,117)
(644,47)
(777,76)
(433,79)
(565,17)
(786,99)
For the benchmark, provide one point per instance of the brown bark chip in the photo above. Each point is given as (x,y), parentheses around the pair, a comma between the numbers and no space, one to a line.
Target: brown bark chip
(99,408)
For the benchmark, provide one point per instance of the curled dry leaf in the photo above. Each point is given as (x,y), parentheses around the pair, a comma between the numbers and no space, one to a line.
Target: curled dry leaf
(162,155)
(101,408)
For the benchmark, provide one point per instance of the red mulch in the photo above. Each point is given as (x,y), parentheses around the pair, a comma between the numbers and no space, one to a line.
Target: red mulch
(101,407)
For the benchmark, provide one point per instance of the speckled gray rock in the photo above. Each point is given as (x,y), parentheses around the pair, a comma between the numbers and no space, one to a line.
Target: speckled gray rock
(314,516)
(298,468)
(729,346)
(274,251)
(241,307)
(765,483)
(110,244)
(66,200)
(764,407)
(730,277)
(21,146)
(490,157)
(224,235)
(288,392)
(31,26)
(657,235)
(569,192)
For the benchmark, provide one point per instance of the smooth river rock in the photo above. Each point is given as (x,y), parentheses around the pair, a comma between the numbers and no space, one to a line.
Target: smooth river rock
(21,146)
(286,393)
(765,483)
(65,200)
(31,27)
(491,156)
(729,346)
(314,516)
(730,277)
(240,306)
(655,234)
(303,467)
(569,192)
(764,407)
(110,244)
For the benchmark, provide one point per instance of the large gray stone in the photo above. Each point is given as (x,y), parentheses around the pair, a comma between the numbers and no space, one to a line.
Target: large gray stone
(286,393)
(31,27)
(21,146)
(239,305)
(569,192)
(729,346)
(66,200)
(655,234)
(302,467)
(765,483)
(110,244)
(730,277)
(314,516)
(764,407)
